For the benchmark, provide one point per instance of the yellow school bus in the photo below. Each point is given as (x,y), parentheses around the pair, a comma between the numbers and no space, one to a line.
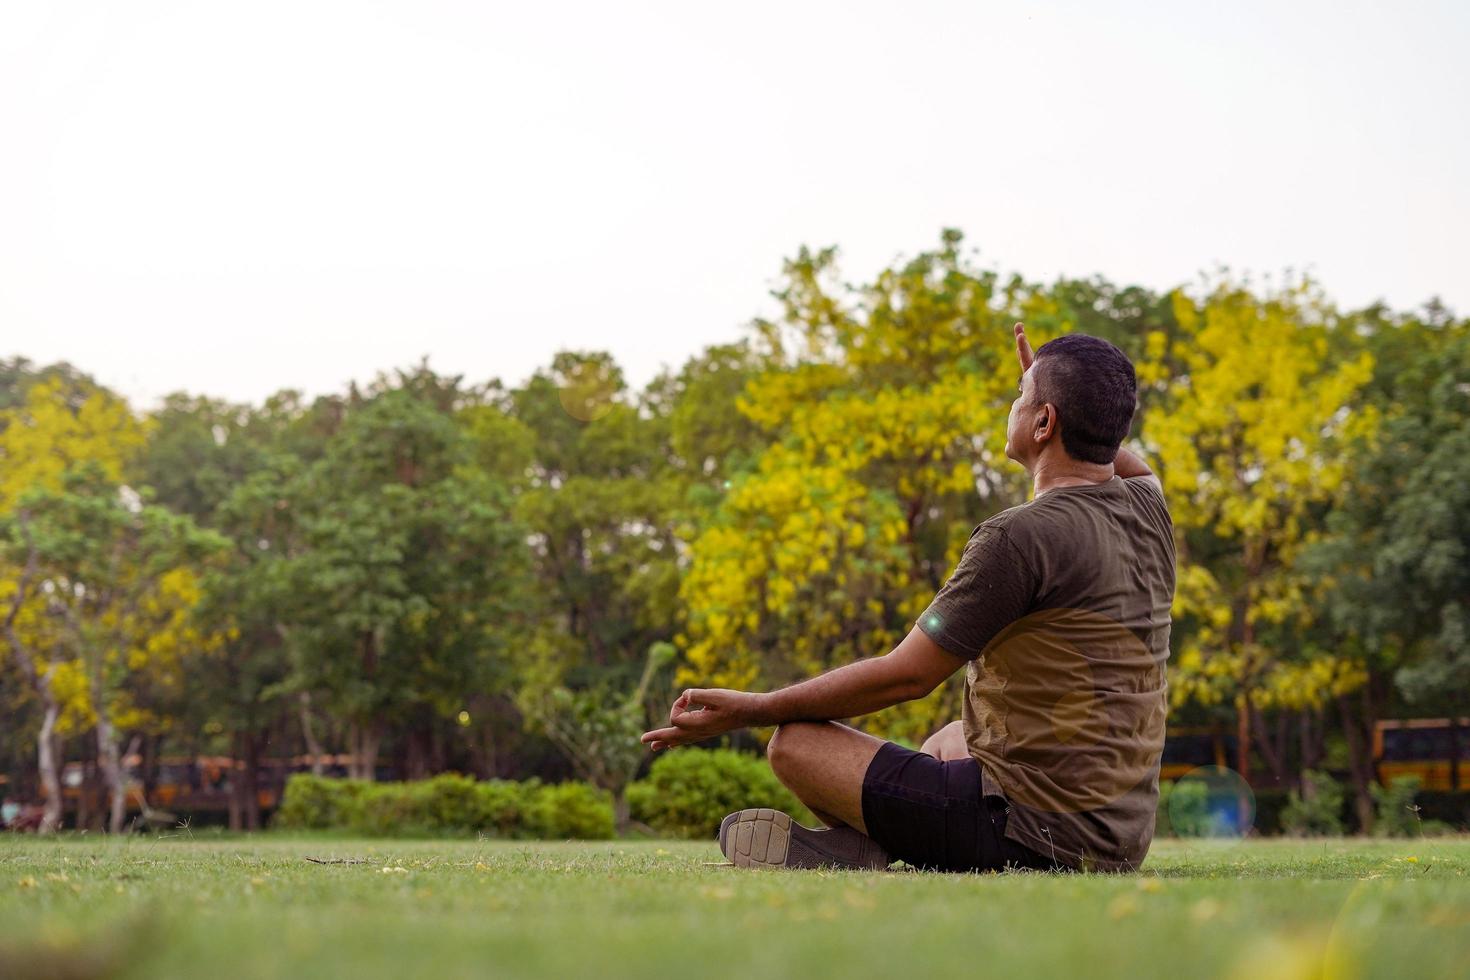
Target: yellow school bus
(1437,750)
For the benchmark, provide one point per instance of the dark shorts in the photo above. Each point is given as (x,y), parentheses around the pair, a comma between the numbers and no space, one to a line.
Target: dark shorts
(931,814)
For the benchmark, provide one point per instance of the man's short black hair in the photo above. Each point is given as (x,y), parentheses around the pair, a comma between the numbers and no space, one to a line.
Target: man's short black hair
(1095,391)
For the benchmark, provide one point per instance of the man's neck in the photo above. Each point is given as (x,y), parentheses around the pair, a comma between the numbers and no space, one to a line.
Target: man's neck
(1052,471)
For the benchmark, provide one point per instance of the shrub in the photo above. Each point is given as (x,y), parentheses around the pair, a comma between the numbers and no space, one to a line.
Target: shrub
(571,809)
(687,793)
(382,810)
(505,806)
(449,800)
(448,804)
(1396,813)
(1320,813)
(316,802)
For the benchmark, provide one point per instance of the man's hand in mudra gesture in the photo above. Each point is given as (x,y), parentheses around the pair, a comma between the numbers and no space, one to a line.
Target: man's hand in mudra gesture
(699,714)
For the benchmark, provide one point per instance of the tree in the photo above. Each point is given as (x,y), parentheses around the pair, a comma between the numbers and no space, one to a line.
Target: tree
(883,410)
(204,458)
(409,570)
(118,580)
(1395,562)
(1251,435)
(603,502)
(598,728)
(55,420)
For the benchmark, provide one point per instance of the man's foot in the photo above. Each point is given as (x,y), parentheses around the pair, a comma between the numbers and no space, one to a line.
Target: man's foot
(765,838)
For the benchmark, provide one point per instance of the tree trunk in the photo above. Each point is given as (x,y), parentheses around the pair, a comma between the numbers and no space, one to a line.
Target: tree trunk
(364,741)
(1305,750)
(46,762)
(47,757)
(149,767)
(1242,738)
(314,747)
(621,819)
(112,772)
(415,760)
(237,786)
(1360,763)
(354,766)
(1269,751)
(369,739)
(1243,756)
(88,774)
(438,760)
(250,782)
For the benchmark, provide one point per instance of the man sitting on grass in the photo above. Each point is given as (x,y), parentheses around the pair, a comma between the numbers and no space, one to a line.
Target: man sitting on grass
(1059,612)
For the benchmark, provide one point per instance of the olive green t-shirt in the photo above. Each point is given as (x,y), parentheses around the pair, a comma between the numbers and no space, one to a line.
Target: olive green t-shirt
(1061,607)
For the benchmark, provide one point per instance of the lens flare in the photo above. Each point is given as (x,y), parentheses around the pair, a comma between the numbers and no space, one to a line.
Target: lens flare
(1212,802)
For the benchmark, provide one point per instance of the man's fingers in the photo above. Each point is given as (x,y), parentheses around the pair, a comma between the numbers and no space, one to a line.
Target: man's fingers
(690,701)
(659,735)
(681,704)
(1023,347)
(664,738)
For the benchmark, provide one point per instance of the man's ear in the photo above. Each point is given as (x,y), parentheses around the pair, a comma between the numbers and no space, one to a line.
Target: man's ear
(1046,423)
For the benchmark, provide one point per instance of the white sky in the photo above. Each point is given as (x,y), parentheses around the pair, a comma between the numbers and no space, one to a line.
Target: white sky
(232,198)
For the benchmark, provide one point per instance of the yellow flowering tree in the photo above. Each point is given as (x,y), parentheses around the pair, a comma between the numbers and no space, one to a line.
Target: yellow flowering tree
(53,421)
(56,428)
(114,581)
(1250,425)
(884,412)
(96,586)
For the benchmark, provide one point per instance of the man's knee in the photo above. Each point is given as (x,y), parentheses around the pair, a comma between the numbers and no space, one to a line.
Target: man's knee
(947,743)
(786,744)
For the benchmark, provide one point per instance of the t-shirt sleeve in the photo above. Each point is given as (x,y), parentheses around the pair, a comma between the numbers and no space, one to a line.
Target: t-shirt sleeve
(990,588)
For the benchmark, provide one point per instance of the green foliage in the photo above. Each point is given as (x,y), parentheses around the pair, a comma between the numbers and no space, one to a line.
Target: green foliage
(504,805)
(596,728)
(1318,812)
(316,803)
(570,810)
(1396,813)
(1399,551)
(448,804)
(688,792)
(1183,809)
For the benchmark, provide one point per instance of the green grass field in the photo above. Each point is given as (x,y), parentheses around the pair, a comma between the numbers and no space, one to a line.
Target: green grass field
(255,906)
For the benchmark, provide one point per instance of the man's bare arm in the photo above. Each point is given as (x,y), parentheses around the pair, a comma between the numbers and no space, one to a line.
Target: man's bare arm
(1130,467)
(911,670)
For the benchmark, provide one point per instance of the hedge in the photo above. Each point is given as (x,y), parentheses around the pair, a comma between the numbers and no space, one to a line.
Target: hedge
(448,804)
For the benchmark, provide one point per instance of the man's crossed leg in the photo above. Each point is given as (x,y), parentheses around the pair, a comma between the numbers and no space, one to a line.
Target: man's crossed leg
(824,764)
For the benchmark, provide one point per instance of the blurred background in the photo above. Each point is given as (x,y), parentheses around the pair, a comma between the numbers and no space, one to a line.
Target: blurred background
(390,390)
